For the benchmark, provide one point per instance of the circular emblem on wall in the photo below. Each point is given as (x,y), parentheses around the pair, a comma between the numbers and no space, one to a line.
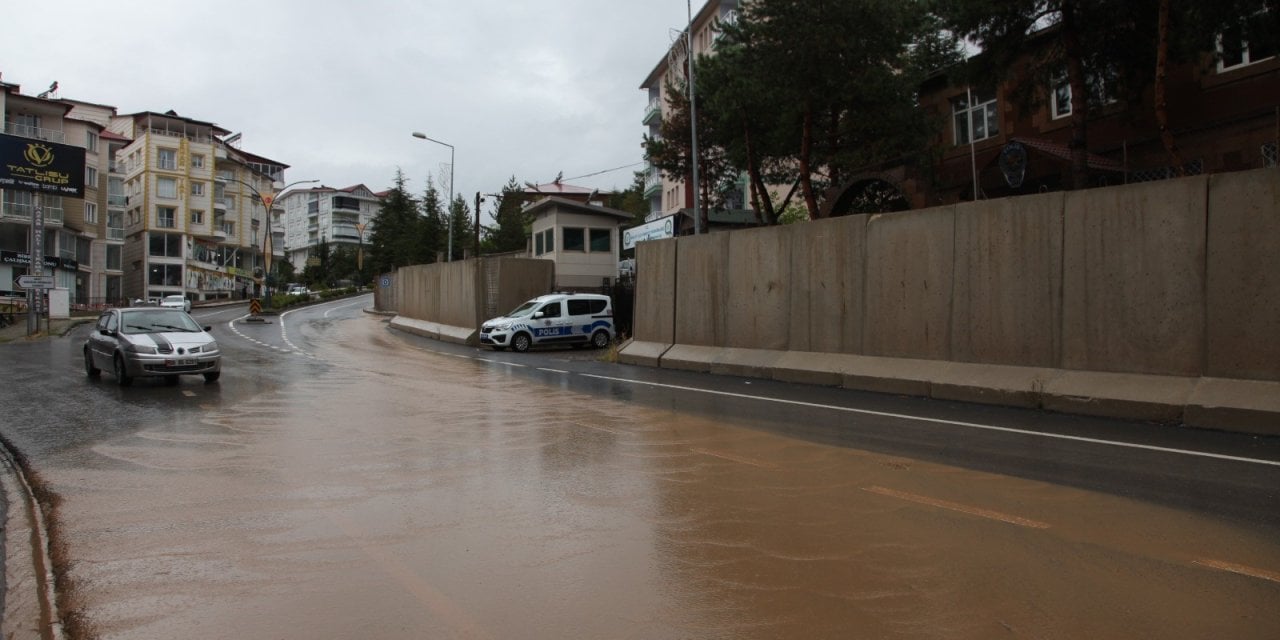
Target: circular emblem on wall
(1013,164)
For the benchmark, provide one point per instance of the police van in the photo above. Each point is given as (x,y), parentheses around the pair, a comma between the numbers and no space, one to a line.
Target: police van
(560,318)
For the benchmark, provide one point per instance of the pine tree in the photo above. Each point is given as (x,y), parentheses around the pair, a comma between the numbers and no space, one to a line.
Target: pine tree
(395,230)
(431,236)
(463,227)
(511,225)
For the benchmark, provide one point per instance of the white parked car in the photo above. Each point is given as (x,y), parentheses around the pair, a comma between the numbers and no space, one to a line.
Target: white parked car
(560,318)
(176,301)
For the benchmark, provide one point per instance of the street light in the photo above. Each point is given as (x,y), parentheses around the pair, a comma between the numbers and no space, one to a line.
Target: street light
(267,249)
(449,207)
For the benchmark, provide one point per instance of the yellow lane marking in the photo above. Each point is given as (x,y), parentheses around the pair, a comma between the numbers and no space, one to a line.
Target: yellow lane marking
(1241,569)
(954,506)
(432,598)
(604,429)
(733,458)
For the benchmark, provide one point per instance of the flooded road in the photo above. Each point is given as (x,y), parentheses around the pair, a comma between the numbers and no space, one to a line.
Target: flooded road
(384,490)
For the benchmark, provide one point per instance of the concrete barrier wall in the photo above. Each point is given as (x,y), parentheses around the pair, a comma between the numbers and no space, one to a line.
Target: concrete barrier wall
(1122,279)
(909,284)
(455,294)
(758,274)
(1244,276)
(1008,281)
(655,291)
(702,292)
(828,270)
(1134,278)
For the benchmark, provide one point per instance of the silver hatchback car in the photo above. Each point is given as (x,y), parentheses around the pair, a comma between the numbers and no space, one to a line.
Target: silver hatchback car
(151,342)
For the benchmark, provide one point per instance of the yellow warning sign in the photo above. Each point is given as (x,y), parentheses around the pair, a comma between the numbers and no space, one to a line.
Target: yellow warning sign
(255,306)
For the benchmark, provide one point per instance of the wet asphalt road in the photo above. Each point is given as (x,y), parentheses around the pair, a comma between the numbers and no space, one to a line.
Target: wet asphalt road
(344,480)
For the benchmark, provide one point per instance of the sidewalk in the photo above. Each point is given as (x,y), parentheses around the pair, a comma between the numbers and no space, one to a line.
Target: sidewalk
(55,327)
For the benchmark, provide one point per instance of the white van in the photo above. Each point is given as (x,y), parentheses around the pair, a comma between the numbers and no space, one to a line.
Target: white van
(559,318)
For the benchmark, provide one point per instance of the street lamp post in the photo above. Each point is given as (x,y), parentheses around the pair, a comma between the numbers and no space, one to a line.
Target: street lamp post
(360,254)
(267,249)
(448,208)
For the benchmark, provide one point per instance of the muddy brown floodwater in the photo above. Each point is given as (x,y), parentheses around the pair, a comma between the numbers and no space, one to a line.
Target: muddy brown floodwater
(409,494)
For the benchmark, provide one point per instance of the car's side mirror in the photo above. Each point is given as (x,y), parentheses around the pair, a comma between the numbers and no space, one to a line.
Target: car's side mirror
(207,329)
(106,332)
(538,315)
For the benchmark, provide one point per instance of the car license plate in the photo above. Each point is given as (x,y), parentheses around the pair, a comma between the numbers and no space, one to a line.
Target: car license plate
(184,362)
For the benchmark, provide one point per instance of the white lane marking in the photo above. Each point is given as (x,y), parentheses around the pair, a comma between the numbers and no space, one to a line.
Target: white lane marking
(1240,569)
(954,423)
(513,364)
(188,393)
(326,313)
(553,370)
(957,507)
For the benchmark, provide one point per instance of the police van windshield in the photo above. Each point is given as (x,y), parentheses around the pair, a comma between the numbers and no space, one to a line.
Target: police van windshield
(524,309)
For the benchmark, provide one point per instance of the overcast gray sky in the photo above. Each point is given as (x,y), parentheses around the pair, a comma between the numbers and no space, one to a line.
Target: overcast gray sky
(334,88)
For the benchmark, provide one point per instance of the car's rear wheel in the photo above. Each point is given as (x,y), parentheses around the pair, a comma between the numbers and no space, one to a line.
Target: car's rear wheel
(521,342)
(600,339)
(122,374)
(89,369)
(212,377)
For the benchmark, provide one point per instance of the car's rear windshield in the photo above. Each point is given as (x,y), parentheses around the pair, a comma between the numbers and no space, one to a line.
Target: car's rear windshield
(156,321)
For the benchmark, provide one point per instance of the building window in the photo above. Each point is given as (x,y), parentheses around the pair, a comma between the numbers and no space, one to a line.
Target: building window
(601,240)
(91,141)
(1234,49)
(226,175)
(166,245)
(980,118)
(197,188)
(166,275)
(575,239)
(114,253)
(167,188)
(537,244)
(91,177)
(1102,91)
(167,159)
(197,217)
(549,240)
(90,213)
(197,161)
(165,217)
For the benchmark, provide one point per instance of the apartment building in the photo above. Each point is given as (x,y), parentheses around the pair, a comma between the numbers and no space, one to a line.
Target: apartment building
(65,250)
(193,216)
(670,194)
(1224,114)
(325,215)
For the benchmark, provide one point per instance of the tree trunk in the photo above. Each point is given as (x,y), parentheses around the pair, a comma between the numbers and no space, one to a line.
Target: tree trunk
(806,154)
(760,200)
(1079,144)
(1161,98)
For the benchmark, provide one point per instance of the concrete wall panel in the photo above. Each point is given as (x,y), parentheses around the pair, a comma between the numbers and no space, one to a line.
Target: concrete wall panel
(1134,278)
(759,278)
(909,284)
(1244,275)
(702,291)
(827,264)
(519,280)
(1008,281)
(654,319)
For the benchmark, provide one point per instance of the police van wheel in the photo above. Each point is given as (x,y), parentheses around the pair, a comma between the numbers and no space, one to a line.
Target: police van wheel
(600,339)
(520,343)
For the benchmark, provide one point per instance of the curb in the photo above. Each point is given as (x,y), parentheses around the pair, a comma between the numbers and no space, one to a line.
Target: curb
(26,563)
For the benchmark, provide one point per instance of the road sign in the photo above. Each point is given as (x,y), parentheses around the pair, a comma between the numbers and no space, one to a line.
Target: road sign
(35,282)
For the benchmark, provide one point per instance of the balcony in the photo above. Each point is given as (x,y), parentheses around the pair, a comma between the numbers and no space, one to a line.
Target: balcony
(653,112)
(345,232)
(48,135)
(22,211)
(115,234)
(652,182)
(117,200)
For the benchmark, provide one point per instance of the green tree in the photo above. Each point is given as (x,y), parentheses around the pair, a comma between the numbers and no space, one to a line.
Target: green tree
(394,241)
(632,200)
(805,93)
(463,227)
(511,228)
(431,237)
